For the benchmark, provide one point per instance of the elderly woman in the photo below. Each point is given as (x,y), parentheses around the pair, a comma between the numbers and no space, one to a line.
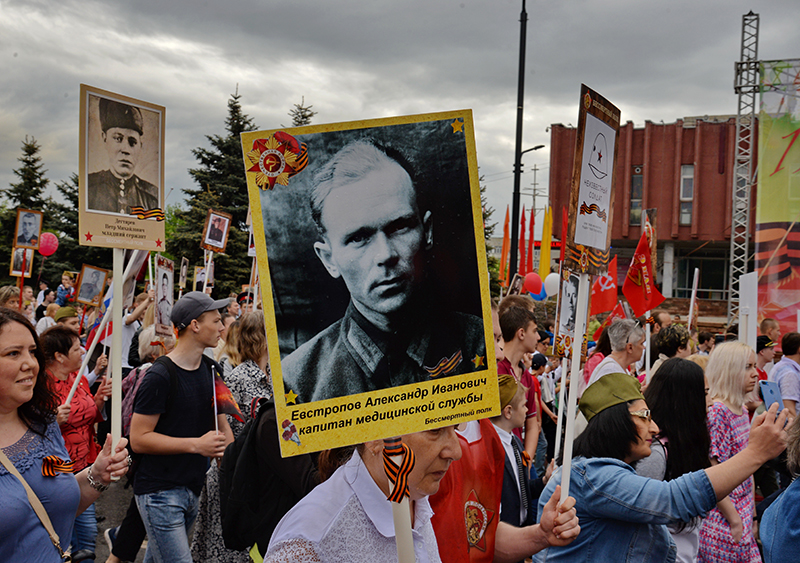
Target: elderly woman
(29,437)
(347,518)
(780,524)
(62,353)
(623,516)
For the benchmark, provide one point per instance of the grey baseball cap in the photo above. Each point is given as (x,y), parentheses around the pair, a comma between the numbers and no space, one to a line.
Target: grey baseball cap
(192,305)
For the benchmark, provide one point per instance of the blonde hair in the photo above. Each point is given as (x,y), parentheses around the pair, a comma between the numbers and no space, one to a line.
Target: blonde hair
(231,346)
(252,337)
(52,309)
(699,359)
(149,317)
(727,372)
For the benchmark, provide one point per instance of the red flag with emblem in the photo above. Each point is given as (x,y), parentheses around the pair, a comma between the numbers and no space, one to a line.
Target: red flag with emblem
(522,269)
(504,253)
(640,282)
(617,313)
(226,404)
(604,290)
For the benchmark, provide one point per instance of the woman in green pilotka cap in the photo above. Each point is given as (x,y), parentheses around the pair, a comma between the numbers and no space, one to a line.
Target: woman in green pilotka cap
(623,516)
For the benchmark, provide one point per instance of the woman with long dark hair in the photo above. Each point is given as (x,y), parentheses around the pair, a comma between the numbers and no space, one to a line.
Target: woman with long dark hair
(623,516)
(30,437)
(678,400)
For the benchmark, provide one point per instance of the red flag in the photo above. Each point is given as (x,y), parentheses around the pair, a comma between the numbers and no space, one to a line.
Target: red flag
(564,229)
(604,290)
(504,253)
(640,283)
(225,402)
(522,270)
(617,313)
(529,259)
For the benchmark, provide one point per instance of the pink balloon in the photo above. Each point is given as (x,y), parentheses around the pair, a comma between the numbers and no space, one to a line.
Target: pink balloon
(48,244)
(533,283)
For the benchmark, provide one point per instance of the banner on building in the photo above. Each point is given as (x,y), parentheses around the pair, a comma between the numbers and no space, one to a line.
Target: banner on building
(778,195)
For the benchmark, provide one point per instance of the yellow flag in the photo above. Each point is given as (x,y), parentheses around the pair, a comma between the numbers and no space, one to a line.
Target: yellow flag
(544,249)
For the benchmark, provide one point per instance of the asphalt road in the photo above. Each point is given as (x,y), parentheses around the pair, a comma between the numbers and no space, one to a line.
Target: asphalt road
(111,508)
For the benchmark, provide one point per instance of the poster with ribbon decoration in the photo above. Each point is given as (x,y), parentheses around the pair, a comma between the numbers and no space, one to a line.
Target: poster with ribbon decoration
(592,192)
(121,171)
(369,242)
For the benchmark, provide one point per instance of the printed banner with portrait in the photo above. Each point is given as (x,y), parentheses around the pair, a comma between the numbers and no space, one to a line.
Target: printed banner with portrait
(184,273)
(215,231)
(591,201)
(121,176)
(28,229)
(21,262)
(165,274)
(369,236)
(92,284)
(778,196)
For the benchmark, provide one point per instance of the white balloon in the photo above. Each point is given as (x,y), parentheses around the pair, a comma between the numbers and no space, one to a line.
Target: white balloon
(551,284)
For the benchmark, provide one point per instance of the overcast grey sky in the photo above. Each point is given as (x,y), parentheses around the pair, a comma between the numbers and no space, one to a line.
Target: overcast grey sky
(356,60)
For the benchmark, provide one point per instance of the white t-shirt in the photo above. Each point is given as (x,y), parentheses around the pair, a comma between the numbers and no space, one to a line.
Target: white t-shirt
(128,330)
(607,366)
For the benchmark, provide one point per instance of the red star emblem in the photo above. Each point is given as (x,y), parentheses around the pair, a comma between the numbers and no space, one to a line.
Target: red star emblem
(159,242)
(88,237)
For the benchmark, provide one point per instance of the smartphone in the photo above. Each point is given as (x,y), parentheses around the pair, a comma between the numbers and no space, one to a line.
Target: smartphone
(771,393)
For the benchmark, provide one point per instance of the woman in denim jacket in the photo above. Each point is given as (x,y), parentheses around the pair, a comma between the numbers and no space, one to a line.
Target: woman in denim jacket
(623,516)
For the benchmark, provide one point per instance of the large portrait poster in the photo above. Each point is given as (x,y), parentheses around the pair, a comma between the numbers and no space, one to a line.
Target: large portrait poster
(592,193)
(121,176)
(369,238)
(778,194)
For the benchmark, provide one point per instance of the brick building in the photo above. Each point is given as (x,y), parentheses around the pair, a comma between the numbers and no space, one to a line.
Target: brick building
(684,170)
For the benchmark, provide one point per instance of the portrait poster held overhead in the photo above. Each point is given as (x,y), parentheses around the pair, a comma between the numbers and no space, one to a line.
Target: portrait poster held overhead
(588,236)
(28,228)
(215,231)
(165,274)
(91,285)
(121,171)
(184,272)
(369,239)
(21,262)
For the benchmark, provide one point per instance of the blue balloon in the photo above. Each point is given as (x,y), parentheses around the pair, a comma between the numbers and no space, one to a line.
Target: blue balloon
(541,296)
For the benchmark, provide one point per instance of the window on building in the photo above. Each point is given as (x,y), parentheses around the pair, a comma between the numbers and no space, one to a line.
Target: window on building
(637,186)
(687,194)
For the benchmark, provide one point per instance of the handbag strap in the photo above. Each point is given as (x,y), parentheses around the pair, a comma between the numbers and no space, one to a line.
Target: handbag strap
(35,503)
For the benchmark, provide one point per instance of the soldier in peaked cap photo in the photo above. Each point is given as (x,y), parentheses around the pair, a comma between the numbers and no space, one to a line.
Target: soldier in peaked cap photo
(118,189)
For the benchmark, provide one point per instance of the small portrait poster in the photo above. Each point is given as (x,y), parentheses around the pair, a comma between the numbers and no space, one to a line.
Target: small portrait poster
(21,259)
(28,229)
(369,239)
(184,272)
(515,287)
(200,277)
(165,274)
(121,171)
(215,231)
(251,244)
(592,193)
(92,285)
(567,312)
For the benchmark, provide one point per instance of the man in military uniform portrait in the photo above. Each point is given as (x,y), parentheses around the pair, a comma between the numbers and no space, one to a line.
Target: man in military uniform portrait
(164,305)
(375,234)
(118,189)
(28,230)
(91,288)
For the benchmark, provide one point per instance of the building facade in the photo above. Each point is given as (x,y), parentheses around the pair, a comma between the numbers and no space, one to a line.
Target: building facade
(685,171)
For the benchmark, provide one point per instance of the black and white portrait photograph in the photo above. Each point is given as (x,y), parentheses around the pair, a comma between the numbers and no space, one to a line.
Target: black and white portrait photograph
(184,273)
(165,271)
(215,231)
(515,287)
(92,285)
(29,228)
(124,142)
(372,259)
(21,258)
(569,305)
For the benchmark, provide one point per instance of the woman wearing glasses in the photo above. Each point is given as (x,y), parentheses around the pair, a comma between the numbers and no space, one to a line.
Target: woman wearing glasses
(623,516)
(727,532)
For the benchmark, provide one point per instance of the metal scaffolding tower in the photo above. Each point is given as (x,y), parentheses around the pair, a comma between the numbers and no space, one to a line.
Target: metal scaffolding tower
(746,86)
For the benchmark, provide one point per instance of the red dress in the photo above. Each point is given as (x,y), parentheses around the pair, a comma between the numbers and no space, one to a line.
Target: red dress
(78,431)
(467,506)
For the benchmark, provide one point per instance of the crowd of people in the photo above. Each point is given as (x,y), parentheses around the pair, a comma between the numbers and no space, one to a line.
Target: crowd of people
(678,466)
